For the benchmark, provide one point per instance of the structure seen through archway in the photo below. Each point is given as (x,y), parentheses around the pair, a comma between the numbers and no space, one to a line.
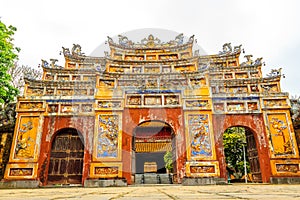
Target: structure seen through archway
(151,141)
(241,155)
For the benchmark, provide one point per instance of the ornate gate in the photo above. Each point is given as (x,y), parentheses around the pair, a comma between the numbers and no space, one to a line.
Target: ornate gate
(66,160)
(253,157)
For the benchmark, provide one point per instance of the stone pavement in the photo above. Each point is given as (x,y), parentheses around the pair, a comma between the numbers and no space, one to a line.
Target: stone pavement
(145,192)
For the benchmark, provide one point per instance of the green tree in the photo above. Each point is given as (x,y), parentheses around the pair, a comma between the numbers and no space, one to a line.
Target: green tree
(168,161)
(8,56)
(233,140)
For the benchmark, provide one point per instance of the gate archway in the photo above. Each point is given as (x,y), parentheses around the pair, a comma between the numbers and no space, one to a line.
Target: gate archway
(66,158)
(240,142)
(255,123)
(151,141)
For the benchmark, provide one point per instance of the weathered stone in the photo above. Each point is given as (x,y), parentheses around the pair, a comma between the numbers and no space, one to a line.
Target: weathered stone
(203,181)
(105,183)
(19,184)
(285,180)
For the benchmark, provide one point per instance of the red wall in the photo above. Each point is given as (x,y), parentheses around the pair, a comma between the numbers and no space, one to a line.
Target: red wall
(172,116)
(255,123)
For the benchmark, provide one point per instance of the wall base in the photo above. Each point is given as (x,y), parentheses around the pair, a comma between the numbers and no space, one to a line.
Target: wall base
(153,178)
(20,184)
(105,183)
(285,180)
(203,181)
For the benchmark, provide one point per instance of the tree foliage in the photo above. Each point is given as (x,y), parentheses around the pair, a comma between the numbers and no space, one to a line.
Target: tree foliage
(8,56)
(168,161)
(295,109)
(233,140)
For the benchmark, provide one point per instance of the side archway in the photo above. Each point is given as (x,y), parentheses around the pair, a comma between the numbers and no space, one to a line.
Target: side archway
(241,154)
(66,157)
(255,123)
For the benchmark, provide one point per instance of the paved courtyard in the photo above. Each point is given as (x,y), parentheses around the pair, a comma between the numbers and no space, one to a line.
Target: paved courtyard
(145,192)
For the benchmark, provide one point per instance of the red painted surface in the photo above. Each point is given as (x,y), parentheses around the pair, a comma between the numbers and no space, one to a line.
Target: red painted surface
(173,117)
(52,125)
(255,123)
(133,117)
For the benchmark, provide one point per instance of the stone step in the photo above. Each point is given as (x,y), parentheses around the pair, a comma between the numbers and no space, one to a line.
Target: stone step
(153,178)
(204,181)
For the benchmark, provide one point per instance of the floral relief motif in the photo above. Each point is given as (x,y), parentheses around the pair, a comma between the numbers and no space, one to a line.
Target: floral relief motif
(294,168)
(202,169)
(109,104)
(106,171)
(197,103)
(171,100)
(108,131)
(279,136)
(134,100)
(28,105)
(26,135)
(20,171)
(200,135)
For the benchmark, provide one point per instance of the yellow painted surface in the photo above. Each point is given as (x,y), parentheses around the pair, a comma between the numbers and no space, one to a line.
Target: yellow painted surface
(25,144)
(282,167)
(197,92)
(106,170)
(202,169)
(21,171)
(281,135)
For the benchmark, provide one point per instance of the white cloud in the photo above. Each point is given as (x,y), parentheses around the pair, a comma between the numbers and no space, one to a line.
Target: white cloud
(268,29)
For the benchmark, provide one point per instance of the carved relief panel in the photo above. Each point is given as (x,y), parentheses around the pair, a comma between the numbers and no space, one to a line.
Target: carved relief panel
(26,142)
(252,106)
(106,104)
(108,137)
(199,140)
(199,104)
(152,100)
(218,107)
(34,91)
(134,100)
(21,171)
(106,170)
(281,141)
(30,105)
(49,77)
(233,107)
(198,82)
(275,103)
(171,100)
(202,169)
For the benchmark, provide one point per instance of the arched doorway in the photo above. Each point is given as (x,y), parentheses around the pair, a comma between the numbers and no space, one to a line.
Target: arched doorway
(240,148)
(66,158)
(151,141)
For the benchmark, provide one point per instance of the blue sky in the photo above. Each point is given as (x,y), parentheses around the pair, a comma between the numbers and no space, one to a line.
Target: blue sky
(265,28)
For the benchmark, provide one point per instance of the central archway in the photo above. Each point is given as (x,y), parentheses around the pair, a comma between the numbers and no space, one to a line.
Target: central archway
(151,141)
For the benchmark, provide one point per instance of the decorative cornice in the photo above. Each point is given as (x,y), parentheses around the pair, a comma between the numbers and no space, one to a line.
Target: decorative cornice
(69,70)
(193,58)
(150,43)
(42,83)
(236,82)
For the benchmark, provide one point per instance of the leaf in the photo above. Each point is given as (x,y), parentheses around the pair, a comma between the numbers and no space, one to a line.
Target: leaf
(8,56)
